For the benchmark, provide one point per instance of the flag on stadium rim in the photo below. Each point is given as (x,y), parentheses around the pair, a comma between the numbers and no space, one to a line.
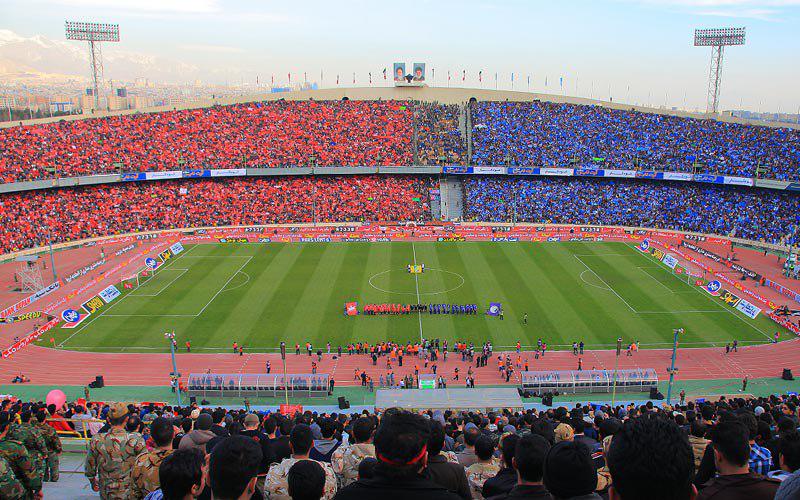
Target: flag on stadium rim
(480,75)
(384,73)
(464,76)
(494,309)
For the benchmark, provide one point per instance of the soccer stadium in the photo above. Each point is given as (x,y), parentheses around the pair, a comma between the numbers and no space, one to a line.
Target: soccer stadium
(406,286)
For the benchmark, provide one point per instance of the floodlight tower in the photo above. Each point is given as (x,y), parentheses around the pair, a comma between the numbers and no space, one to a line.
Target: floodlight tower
(94,33)
(717,39)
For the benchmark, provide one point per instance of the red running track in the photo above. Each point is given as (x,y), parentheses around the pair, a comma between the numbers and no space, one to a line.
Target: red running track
(46,366)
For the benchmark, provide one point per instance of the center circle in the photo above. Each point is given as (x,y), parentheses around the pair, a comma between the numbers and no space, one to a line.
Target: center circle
(380,281)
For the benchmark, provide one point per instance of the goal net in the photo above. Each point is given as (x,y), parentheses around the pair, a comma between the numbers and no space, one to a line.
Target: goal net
(136,280)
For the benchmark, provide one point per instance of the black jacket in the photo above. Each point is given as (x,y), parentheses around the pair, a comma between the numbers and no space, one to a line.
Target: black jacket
(500,484)
(533,492)
(451,476)
(384,488)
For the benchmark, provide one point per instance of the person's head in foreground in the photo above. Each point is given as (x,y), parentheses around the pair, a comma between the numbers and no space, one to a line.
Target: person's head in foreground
(529,458)
(306,480)
(401,444)
(731,447)
(569,471)
(651,458)
(182,475)
(233,468)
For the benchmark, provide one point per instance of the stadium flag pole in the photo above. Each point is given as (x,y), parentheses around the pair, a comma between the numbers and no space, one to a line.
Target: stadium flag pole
(616,366)
(285,385)
(52,258)
(672,370)
(171,338)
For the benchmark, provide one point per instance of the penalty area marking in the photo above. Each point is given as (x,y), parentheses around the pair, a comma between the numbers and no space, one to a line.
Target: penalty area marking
(416,293)
(173,280)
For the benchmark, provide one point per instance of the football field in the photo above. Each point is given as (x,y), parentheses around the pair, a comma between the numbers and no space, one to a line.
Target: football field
(260,294)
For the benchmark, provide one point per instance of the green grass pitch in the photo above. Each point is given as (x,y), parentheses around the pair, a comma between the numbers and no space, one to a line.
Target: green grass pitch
(260,294)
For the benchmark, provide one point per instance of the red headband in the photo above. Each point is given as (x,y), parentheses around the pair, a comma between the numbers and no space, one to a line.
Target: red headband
(398,463)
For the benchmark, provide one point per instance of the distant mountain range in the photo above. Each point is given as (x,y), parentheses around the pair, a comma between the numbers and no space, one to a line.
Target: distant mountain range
(40,60)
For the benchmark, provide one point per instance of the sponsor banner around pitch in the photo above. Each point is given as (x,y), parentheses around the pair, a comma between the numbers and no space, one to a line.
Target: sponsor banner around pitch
(33,337)
(30,299)
(669,261)
(110,293)
(21,317)
(748,309)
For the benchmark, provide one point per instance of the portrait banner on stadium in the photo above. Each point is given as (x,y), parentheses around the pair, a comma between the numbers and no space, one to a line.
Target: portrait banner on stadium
(399,71)
(419,72)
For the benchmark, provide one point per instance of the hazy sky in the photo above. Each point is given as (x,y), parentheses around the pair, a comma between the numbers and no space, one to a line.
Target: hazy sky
(644,45)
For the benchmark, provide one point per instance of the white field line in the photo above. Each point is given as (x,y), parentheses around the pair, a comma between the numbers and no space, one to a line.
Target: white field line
(172,261)
(416,282)
(606,284)
(183,271)
(249,258)
(709,297)
(642,269)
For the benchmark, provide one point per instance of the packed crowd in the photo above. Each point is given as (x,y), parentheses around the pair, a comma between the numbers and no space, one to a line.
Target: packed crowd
(439,136)
(558,134)
(84,212)
(760,215)
(729,448)
(258,134)
(347,133)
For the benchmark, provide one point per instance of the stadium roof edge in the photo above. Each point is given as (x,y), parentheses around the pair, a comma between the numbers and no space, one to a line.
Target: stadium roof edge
(443,95)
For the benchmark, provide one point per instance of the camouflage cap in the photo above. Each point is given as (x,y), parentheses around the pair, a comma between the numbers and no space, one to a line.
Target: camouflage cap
(117,410)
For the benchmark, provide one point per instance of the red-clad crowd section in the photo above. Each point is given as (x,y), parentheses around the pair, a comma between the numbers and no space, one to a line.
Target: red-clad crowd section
(85,212)
(259,134)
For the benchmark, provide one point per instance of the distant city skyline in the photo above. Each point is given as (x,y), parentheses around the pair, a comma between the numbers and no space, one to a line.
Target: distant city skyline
(637,51)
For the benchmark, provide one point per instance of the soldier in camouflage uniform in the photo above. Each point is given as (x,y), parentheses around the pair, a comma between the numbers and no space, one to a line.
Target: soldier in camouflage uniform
(15,453)
(10,487)
(112,455)
(53,443)
(31,436)
(346,459)
(276,485)
(144,475)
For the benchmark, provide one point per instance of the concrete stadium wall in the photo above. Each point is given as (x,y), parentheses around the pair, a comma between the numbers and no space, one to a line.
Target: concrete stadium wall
(443,95)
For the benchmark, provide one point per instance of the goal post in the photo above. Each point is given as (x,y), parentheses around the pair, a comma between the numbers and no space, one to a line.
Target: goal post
(138,279)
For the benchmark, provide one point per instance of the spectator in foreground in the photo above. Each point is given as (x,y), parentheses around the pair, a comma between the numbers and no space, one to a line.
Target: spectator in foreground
(439,470)
(528,461)
(233,469)
(651,458)
(300,441)
(200,435)
(569,472)
(112,454)
(760,458)
(484,468)
(182,476)
(468,456)
(698,441)
(306,480)
(789,459)
(346,460)
(506,478)
(731,444)
(145,473)
(323,449)
(401,450)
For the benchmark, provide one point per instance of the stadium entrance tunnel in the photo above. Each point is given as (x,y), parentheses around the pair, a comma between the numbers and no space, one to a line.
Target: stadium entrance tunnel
(432,282)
